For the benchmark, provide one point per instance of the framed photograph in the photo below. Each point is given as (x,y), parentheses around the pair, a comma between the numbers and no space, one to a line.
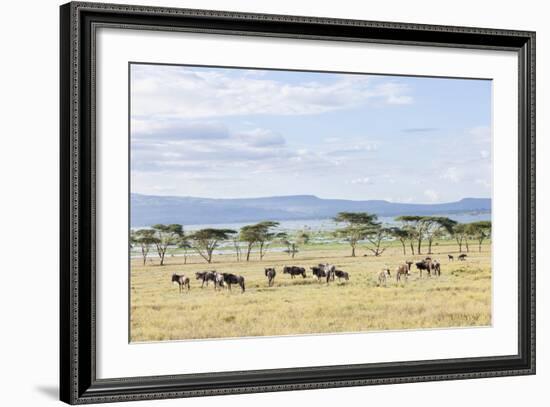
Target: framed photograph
(255,203)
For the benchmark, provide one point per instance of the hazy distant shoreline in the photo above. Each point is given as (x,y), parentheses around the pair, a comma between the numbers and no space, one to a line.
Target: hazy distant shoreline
(148,210)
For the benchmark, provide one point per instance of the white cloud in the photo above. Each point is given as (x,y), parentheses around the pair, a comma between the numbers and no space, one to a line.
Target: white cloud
(431,195)
(183,92)
(364,180)
(483,182)
(452,174)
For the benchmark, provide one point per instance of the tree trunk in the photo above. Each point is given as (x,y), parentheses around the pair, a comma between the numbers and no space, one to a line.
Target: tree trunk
(467,246)
(248,250)
(429,246)
(419,249)
(459,242)
(261,250)
(352,250)
(412,247)
(404,248)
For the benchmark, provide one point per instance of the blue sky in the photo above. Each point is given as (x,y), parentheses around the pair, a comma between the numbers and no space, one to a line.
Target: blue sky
(231,133)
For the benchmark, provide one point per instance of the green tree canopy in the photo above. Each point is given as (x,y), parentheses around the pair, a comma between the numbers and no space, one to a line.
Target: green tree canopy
(205,241)
(426,227)
(260,234)
(357,226)
(480,230)
(166,235)
(145,239)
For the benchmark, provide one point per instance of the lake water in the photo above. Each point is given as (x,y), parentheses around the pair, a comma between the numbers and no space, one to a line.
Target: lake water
(328,225)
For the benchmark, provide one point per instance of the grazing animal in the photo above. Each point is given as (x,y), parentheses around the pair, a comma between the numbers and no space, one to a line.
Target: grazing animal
(402,270)
(423,265)
(181,280)
(294,271)
(229,278)
(462,257)
(341,274)
(218,280)
(318,272)
(270,274)
(330,270)
(451,257)
(205,277)
(383,277)
(436,267)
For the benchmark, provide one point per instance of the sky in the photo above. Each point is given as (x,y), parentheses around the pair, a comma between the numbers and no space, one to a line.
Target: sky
(239,133)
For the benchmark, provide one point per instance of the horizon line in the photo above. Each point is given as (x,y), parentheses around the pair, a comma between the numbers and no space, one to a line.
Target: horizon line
(310,195)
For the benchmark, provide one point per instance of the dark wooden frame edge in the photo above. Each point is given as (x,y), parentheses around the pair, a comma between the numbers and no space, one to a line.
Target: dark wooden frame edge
(78,382)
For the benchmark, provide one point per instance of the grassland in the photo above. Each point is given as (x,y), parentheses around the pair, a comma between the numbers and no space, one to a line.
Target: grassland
(460,297)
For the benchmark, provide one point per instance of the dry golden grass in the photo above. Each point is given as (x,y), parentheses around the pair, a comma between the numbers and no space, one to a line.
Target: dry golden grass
(460,297)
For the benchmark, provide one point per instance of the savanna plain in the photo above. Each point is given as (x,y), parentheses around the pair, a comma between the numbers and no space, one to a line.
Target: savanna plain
(459,297)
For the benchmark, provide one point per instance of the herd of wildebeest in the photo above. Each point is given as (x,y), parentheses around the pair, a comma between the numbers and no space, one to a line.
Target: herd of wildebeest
(326,272)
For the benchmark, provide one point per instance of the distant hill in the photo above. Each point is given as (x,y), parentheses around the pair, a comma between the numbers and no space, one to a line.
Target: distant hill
(147,210)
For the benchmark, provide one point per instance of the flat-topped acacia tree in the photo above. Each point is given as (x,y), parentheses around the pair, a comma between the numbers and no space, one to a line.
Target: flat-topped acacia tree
(205,241)
(480,230)
(145,239)
(426,227)
(260,234)
(166,235)
(358,226)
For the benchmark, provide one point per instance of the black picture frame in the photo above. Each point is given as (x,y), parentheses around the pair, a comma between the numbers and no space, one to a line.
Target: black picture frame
(78,382)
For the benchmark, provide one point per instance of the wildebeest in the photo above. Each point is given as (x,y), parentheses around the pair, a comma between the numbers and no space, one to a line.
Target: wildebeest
(341,274)
(436,267)
(294,271)
(218,280)
(423,265)
(229,278)
(462,257)
(330,270)
(206,276)
(429,265)
(181,280)
(451,257)
(270,274)
(402,269)
(383,276)
(318,272)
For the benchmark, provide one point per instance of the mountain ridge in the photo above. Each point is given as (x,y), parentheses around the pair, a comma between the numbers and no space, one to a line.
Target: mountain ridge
(147,210)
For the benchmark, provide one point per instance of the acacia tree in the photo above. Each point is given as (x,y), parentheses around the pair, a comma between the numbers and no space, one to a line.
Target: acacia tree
(292,244)
(435,226)
(205,241)
(166,235)
(248,234)
(260,234)
(403,235)
(185,245)
(460,233)
(145,239)
(425,227)
(417,226)
(480,231)
(376,236)
(358,226)
(266,235)
(236,246)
